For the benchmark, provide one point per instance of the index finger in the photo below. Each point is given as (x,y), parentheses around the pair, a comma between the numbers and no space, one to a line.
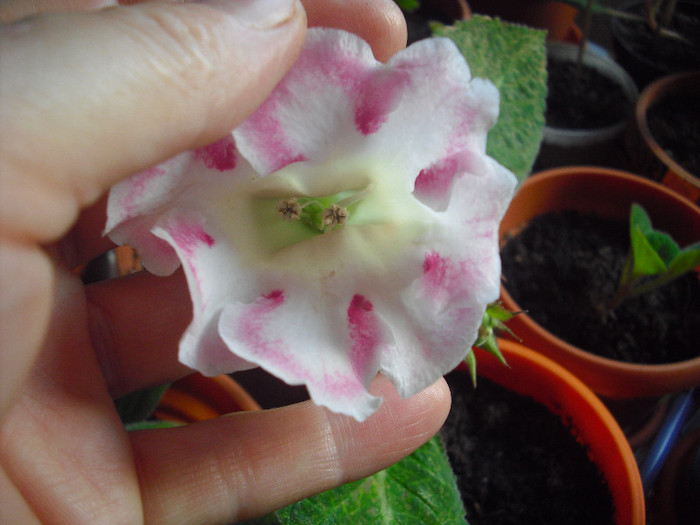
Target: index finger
(90,97)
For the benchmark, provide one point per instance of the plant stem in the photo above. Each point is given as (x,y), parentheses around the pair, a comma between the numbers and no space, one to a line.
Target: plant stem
(667,15)
(588,14)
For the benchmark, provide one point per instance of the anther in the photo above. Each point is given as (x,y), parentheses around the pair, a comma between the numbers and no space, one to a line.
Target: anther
(289,209)
(334,216)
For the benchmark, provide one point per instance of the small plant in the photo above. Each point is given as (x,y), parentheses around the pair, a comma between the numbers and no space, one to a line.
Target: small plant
(654,259)
(494,323)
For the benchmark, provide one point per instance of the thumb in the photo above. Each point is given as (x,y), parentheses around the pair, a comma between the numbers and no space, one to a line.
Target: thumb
(90,97)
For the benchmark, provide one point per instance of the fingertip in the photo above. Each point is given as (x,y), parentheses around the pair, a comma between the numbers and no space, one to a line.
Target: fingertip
(381,23)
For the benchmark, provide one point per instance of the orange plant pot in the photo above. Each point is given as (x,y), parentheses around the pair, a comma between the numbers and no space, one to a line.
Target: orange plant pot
(531,374)
(648,157)
(196,398)
(557,18)
(609,193)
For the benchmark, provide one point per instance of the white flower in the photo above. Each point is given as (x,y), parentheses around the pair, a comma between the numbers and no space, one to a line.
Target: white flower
(349,226)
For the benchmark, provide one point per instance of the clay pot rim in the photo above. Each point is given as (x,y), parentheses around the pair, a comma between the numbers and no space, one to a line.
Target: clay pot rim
(653,93)
(606,66)
(196,397)
(563,379)
(581,354)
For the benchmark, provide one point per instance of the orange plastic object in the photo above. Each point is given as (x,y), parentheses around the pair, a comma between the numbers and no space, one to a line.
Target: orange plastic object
(609,193)
(530,373)
(196,398)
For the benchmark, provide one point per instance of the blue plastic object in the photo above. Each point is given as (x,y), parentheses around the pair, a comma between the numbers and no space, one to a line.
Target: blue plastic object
(666,437)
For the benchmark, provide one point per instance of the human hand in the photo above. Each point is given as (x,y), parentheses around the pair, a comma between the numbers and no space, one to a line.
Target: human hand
(87,98)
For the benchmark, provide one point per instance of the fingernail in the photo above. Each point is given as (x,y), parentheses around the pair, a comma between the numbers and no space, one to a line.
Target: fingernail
(257,14)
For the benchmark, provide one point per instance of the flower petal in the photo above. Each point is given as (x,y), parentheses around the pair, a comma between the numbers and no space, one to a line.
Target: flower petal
(206,263)
(286,334)
(309,114)
(399,288)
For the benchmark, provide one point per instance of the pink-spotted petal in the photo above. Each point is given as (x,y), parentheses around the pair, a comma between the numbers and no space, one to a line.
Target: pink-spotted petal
(210,268)
(302,342)
(434,184)
(310,112)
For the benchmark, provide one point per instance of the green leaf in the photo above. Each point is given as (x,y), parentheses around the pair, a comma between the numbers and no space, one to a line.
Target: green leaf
(470,361)
(139,405)
(419,489)
(653,254)
(686,259)
(408,6)
(664,245)
(645,259)
(150,425)
(661,242)
(639,218)
(513,57)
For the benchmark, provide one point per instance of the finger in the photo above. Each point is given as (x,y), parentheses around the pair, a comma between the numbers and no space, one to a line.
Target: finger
(26,281)
(103,94)
(136,323)
(380,22)
(14,507)
(248,464)
(11,10)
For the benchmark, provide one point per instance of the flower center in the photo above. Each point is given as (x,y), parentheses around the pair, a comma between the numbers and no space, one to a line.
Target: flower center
(323,214)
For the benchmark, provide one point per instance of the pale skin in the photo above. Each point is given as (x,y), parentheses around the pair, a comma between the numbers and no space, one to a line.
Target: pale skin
(87,97)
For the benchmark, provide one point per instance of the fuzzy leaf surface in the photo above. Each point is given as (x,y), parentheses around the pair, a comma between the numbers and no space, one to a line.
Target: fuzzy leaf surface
(513,57)
(418,489)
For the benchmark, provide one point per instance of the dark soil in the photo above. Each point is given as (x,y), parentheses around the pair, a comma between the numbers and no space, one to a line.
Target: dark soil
(668,54)
(517,463)
(563,267)
(586,100)
(675,124)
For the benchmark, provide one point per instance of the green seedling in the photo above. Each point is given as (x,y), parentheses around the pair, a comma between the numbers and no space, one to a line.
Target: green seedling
(654,259)
(493,324)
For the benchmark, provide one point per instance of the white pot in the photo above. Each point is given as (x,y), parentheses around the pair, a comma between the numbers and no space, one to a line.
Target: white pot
(597,146)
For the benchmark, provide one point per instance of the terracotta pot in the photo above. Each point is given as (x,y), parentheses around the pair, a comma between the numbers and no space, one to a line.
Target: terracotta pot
(196,398)
(556,18)
(643,64)
(530,373)
(600,146)
(675,500)
(609,193)
(648,157)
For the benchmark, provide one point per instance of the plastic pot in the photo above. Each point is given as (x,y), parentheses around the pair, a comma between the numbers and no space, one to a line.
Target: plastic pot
(599,146)
(608,193)
(197,398)
(648,157)
(532,374)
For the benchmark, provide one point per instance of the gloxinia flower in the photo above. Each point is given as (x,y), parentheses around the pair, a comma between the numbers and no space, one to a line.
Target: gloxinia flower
(349,226)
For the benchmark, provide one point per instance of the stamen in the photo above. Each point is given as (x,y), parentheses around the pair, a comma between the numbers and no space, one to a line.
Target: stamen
(334,216)
(324,213)
(289,209)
